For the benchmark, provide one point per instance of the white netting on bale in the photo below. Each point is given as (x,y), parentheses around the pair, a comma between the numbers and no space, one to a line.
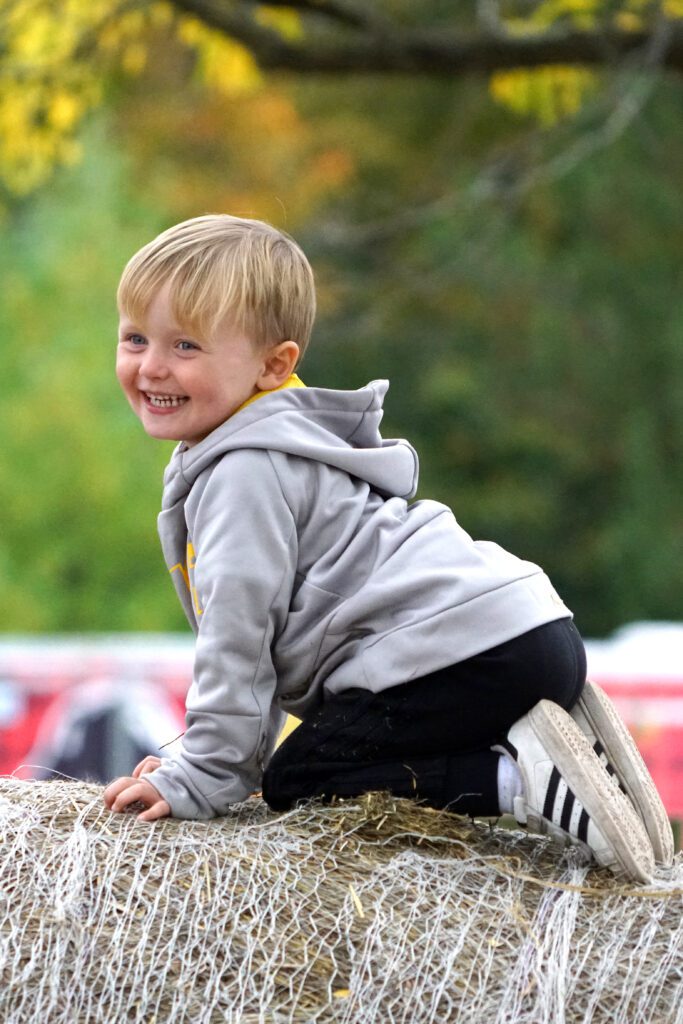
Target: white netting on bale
(368,910)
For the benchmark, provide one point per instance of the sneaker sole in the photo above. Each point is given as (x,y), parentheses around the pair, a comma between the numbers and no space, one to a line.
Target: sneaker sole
(631,771)
(610,810)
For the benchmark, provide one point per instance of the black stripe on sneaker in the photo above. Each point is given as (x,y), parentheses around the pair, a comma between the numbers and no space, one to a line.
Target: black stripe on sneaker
(600,751)
(582,831)
(551,793)
(567,808)
(607,765)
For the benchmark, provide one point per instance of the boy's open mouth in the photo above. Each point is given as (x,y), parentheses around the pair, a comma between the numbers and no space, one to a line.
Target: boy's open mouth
(165,401)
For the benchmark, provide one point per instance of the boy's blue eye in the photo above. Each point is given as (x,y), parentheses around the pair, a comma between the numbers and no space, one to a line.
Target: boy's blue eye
(186,346)
(136,339)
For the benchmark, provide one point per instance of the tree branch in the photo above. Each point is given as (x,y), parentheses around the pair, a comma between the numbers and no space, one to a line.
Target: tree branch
(500,182)
(367,49)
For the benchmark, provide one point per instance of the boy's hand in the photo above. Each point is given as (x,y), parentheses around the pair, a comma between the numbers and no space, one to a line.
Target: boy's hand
(128,790)
(147,765)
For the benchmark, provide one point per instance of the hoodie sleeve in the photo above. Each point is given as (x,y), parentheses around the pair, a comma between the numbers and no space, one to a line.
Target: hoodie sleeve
(245,548)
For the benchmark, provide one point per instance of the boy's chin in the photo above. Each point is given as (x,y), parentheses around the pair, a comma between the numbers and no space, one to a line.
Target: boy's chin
(161,432)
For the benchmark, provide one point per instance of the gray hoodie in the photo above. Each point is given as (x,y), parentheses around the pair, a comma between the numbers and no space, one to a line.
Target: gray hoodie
(302,568)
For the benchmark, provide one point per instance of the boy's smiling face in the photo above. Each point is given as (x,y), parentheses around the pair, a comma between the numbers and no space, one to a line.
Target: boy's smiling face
(181,386)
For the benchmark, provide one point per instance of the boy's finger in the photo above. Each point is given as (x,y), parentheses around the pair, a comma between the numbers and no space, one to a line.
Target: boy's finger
(147,765)
(123,799)
(129,794)
(113,789)
(158,810)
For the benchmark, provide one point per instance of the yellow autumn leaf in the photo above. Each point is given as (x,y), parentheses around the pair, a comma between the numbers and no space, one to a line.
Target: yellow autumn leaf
(286,22)
(549,94)
(64,110)
(134,58)
(582,13)
(628,21)
(222,63)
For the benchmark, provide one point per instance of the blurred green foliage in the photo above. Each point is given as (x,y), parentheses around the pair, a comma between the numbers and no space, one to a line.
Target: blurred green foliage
(78,550)
(532,335)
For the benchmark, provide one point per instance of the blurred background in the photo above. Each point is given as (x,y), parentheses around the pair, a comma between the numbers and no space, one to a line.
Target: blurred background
(491,194)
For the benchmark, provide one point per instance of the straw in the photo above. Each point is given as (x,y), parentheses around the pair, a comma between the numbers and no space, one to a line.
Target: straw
(373,909)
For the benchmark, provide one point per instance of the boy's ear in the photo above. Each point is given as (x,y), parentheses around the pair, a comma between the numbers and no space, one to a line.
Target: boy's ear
(278,364)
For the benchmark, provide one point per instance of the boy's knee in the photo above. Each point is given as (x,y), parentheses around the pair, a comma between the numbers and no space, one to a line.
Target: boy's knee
(276,800)
(283,787)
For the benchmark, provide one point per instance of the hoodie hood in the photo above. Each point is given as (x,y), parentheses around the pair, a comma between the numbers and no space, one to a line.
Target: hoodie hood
(338,428)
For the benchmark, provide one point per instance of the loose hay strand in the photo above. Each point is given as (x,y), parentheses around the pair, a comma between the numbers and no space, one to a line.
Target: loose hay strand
(371,909)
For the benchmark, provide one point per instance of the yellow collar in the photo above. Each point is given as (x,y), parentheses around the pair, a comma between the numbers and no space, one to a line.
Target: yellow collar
(292,382)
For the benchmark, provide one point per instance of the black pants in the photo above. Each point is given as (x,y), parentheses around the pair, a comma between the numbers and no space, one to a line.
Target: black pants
(430,738)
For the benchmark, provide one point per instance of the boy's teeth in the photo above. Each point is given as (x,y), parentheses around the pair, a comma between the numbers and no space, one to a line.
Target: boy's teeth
(164,401)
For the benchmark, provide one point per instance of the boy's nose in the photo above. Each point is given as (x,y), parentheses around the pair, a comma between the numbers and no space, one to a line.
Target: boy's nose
(152,366)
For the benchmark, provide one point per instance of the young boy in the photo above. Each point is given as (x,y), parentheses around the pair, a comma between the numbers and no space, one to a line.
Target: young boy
(420,661)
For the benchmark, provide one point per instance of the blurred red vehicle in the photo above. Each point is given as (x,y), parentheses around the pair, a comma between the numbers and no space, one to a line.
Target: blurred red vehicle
(90,707)
(641,668)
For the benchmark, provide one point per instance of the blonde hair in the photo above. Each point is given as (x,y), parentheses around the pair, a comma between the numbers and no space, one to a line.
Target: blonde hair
(222,267)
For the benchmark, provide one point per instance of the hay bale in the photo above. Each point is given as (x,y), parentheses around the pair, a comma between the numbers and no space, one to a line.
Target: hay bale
(368,910)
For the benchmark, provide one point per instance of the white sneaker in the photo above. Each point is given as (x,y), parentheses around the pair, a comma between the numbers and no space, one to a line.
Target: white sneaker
(599,721)
(568,794)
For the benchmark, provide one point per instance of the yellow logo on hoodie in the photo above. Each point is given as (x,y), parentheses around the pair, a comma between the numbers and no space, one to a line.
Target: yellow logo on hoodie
(185,570)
